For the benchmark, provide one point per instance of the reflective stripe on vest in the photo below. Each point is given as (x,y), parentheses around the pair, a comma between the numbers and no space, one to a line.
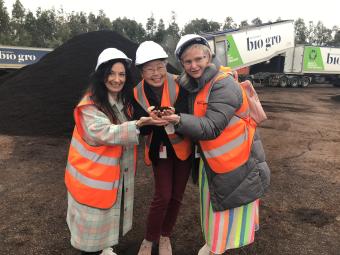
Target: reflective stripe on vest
(92,156)
(92,172)
(231,148)
(181,145)
(235,143)
(96,184)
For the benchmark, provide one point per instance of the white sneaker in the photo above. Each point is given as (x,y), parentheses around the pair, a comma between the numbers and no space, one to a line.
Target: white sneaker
(108,251)
(145,248)
(164,246)
(205,250)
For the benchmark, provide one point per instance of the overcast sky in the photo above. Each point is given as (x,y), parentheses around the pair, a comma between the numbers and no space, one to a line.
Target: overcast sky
(326,11)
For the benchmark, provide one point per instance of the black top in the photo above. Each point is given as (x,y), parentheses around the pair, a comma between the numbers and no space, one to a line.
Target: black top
(159,134)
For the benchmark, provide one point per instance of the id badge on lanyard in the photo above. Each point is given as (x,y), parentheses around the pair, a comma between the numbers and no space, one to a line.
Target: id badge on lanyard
(162,151)
(169,129)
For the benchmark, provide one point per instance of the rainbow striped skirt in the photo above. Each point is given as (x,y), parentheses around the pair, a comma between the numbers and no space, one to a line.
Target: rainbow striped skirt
(228,229)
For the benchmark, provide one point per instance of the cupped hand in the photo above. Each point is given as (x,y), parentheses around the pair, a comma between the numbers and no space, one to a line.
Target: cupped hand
(145,121)
(173,118)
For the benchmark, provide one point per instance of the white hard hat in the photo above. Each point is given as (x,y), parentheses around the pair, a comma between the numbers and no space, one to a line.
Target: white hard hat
(187,40)
(111,54)
(148,51)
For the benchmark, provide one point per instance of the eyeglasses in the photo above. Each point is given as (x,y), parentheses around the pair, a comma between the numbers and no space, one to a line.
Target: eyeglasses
(197,60)
(158,69)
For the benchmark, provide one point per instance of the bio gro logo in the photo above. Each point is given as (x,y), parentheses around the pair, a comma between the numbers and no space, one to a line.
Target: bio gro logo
(333,59)
(256,42)
(19,58)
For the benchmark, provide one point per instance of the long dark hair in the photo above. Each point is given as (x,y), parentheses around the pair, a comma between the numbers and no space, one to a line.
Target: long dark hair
(99,92)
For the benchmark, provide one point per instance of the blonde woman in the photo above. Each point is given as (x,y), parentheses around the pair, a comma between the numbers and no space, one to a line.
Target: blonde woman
(233,174)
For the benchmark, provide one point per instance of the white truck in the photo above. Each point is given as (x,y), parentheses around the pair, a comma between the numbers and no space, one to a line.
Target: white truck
(304,63)
(267,54)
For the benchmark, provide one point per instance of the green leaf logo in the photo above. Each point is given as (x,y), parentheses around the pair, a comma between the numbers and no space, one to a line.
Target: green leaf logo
(234,58)
(312,59)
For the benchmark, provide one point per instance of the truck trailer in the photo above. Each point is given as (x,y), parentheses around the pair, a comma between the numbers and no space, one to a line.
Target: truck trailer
(266,54)
(306,63)
(298,66)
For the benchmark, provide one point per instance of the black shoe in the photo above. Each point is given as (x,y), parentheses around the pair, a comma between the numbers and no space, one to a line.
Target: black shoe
(90,253)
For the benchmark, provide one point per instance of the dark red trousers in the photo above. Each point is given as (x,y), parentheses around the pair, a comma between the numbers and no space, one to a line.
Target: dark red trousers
(170,176)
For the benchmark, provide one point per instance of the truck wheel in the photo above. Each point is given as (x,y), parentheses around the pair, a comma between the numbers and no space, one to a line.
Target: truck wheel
(283,82)
(305,81)
(294,82)
(336,82)
(270,82)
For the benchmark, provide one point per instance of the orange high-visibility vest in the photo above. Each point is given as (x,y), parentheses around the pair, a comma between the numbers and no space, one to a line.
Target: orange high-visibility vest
(135,149)
(231,148)
(181,145)
(92,172)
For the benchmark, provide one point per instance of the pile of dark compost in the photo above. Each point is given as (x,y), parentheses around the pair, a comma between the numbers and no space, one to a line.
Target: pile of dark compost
(39,99)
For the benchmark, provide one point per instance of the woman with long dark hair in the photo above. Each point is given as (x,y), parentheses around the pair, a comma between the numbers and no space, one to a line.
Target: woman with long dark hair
(102,161)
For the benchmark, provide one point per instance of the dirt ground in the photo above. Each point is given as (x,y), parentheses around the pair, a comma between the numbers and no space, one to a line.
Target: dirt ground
(299,215)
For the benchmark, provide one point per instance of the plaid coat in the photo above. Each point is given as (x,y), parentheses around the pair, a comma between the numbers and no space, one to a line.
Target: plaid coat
(94,229)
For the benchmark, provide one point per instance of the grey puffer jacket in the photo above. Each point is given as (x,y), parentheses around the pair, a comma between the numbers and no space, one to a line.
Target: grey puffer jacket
(249,181)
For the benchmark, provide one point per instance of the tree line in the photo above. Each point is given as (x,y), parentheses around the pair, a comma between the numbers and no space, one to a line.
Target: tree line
(51,28)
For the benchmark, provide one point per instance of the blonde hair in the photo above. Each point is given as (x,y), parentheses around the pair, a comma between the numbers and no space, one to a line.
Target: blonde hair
(206,50)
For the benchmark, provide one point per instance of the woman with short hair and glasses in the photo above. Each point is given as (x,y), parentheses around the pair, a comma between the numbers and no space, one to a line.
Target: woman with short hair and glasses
(167,152)
(233,174)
